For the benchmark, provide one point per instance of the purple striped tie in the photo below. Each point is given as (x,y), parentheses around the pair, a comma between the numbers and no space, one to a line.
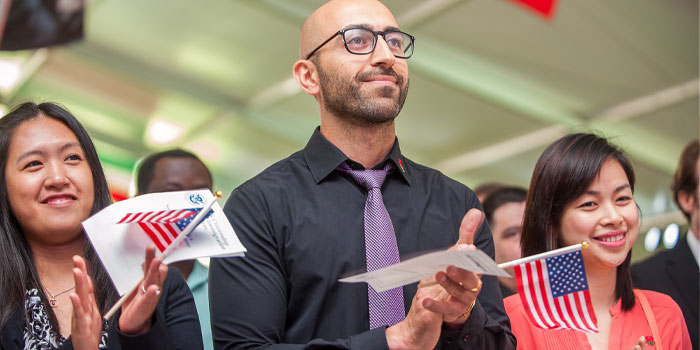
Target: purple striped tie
(385,308)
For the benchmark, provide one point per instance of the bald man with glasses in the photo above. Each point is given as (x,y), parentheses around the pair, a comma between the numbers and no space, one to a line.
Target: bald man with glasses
(351,202)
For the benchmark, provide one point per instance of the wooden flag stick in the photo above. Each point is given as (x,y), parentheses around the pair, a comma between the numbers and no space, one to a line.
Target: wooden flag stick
(176,242)
(569,249)
(555,252)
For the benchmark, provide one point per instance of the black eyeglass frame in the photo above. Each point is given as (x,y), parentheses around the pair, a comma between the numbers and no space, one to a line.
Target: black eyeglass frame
(374,43)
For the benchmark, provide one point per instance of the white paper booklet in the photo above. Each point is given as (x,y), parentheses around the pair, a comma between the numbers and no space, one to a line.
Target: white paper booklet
(121,232)
(426,265)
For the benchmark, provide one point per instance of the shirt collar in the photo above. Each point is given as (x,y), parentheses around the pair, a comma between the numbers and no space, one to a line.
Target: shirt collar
(323,157)
(198,276)
(616,309)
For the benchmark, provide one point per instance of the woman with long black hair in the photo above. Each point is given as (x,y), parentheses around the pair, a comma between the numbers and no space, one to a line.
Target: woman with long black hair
(582,189)
(53,286)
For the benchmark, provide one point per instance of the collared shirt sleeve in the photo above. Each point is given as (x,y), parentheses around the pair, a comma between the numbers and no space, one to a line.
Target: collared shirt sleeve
(479,332)
(248,296)
(488,326)
(174,323)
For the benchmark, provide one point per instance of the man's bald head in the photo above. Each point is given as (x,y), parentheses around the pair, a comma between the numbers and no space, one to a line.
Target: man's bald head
(367,89)
(335,15)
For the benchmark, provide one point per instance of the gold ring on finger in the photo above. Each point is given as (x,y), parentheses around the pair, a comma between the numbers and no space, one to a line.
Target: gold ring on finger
(477,288)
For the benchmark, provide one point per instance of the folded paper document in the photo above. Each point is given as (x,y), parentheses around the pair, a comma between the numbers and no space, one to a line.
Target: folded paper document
(121,232)
(427,265)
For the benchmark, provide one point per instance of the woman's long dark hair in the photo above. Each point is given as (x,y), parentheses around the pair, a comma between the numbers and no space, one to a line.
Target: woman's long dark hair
(563,173)
(17,268)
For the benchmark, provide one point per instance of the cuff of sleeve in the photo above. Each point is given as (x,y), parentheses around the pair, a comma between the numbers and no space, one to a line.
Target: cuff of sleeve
(152,339)
(468,334)
(373,339)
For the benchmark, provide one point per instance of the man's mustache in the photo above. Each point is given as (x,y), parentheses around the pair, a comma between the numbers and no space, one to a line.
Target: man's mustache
(386,71)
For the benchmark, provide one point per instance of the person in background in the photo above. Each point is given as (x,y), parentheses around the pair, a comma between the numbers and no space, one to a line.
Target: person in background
(582,189)
(180,170)
(504,209)
(53,284)
(350,201)
(484,190)
(676,272)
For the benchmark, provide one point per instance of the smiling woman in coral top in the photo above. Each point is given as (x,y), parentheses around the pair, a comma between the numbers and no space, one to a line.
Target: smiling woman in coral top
(582,189)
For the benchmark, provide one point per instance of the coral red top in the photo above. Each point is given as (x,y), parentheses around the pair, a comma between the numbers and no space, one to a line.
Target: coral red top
(626,327)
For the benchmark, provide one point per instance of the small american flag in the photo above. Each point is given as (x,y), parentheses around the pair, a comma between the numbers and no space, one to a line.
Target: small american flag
(555,294)
(163,226)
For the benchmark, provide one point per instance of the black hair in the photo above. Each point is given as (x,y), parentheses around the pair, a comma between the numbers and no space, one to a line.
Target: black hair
(145,172)
(563,173)
(501,196)
(17,268)
(686,177)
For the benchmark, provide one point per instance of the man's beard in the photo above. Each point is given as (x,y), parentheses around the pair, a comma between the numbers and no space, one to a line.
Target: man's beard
(344,99)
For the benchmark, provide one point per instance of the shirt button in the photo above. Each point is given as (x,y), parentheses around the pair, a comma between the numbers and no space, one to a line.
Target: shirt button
(466,338)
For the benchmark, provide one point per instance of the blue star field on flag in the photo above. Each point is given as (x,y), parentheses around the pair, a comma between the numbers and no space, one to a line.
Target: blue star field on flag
(182,223)
(566,274)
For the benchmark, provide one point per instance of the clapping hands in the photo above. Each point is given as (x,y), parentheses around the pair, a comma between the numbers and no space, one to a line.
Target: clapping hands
(86,323)
(449,301)
(138,308)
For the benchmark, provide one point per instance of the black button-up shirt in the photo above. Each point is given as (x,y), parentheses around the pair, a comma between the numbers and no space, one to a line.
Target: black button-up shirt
(302,223)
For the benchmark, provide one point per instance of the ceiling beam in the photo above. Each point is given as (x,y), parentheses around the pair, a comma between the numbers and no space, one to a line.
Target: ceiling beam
(652,102)
(275,93)
(499,151)
(495,84)
(635,140)
(151,75)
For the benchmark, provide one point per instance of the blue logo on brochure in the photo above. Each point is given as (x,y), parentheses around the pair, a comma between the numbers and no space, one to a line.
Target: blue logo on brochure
(196,199)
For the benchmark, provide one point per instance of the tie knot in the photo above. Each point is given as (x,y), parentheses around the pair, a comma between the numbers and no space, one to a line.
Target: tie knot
(368,179)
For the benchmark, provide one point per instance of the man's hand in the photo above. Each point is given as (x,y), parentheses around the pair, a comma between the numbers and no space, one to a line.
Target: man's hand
(449,302)
(460,287)
(421,327)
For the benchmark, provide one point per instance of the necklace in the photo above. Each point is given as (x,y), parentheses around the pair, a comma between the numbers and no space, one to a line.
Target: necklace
(52,300)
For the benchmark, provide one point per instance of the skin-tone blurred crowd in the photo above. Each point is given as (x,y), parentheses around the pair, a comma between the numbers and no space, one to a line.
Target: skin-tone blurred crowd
(305,222)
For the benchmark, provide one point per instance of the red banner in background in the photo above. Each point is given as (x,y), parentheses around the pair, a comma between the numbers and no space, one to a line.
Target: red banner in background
(543,8)
(118,196)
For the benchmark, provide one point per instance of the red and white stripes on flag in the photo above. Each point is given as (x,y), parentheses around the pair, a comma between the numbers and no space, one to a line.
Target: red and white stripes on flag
(161,226)
(555,293)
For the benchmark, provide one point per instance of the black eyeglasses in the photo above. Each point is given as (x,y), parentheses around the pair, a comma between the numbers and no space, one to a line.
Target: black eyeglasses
(362,41)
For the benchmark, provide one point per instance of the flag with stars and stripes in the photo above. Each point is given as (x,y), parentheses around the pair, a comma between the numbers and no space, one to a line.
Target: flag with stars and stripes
(554,291)
(121,232)
(162,227)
